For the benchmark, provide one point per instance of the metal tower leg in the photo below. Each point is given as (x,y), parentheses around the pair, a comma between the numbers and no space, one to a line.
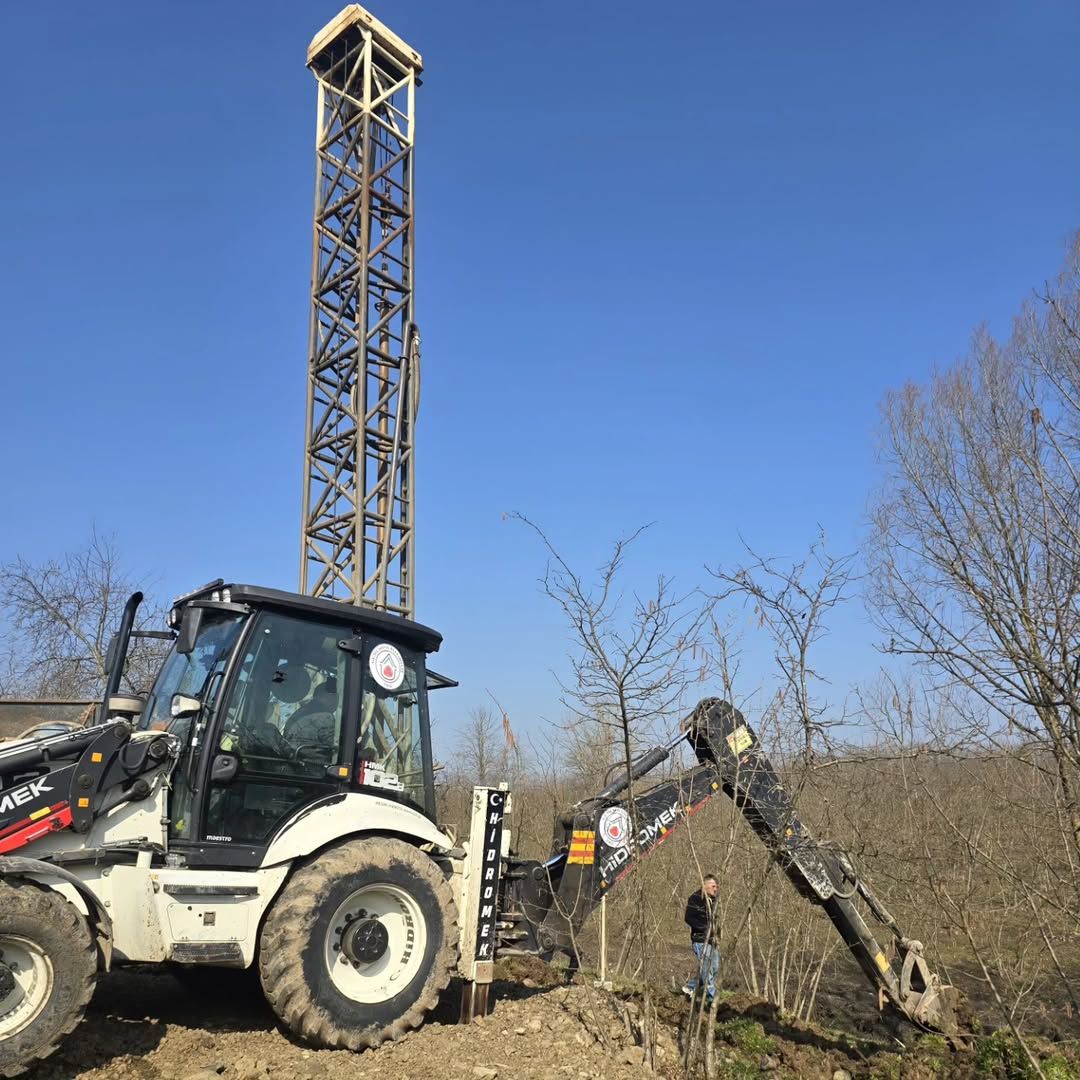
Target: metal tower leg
(363,359)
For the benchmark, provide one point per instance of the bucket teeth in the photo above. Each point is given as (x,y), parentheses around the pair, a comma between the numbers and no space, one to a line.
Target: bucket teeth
(942,1009)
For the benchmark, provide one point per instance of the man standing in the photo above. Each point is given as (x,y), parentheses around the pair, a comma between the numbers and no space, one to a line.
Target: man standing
(701,918)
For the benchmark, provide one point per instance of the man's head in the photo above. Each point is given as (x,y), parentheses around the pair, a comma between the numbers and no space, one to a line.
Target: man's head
(710,885)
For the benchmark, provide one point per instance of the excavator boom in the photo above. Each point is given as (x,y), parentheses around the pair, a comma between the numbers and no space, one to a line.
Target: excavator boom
(601,839)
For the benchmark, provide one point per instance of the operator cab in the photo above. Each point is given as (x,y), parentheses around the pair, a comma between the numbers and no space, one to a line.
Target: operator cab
(282,701)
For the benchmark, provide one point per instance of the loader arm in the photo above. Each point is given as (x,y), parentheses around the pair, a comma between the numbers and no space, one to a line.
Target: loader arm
(601,839)
(68,780)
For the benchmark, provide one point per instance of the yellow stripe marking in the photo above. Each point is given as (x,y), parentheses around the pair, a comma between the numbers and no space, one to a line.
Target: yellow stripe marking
(882,963)
(40,813)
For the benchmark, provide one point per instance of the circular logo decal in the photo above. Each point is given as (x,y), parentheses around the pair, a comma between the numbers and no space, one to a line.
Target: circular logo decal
(387,667)
(615,826)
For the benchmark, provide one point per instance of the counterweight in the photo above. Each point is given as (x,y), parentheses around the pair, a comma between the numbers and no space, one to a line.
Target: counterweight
(364,352)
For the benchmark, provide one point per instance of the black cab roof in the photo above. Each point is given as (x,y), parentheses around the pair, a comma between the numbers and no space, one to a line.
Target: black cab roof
(363,618)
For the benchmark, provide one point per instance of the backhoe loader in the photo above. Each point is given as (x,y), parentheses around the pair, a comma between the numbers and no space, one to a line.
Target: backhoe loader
(270,802)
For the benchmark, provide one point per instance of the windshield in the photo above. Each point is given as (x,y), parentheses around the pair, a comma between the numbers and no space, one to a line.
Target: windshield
(191,673)
(392,725)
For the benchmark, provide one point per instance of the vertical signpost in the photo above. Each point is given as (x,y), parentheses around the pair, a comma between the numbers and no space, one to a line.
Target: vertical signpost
(480,891)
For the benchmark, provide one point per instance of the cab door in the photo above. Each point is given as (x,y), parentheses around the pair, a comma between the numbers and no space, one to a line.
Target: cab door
(394,732)
(279,745)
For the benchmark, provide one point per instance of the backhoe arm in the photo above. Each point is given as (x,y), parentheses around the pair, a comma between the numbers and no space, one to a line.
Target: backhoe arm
(603,838)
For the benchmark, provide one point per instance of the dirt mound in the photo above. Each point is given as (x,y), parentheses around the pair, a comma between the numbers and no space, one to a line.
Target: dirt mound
(148,1025)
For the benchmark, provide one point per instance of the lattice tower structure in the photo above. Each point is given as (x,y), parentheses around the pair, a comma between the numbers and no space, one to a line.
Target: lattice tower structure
(357,541)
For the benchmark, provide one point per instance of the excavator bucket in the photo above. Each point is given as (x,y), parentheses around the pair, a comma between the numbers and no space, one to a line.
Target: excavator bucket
(928,1001)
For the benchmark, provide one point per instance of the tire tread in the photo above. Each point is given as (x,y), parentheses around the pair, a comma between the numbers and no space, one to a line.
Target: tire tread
(281,947)
(20,896)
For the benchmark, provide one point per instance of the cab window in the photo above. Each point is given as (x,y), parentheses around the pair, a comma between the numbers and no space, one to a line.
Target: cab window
(391,733)
(282,724)
(198,674)
(193,673)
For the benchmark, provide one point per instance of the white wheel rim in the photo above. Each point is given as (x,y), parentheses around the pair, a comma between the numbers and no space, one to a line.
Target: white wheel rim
(403,957)
(33,974)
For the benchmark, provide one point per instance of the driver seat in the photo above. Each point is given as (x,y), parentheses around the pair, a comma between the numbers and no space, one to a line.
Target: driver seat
(316,721)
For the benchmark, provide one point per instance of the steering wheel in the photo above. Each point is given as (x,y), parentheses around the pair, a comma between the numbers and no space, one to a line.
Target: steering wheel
(267,739)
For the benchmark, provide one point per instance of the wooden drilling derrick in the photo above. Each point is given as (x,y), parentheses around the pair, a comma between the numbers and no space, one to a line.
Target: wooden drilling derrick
(364,351)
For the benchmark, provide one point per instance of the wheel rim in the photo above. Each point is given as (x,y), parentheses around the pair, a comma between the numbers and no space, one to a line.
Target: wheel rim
(33,974)
(405,942)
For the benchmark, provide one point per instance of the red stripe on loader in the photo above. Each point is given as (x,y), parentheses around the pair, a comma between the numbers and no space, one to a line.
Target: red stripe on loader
(24,834)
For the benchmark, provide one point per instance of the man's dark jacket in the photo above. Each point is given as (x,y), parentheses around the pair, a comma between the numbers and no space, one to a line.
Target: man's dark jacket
(698,916)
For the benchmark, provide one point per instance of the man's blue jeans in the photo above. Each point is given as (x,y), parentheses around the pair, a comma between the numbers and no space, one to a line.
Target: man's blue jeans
(708,957)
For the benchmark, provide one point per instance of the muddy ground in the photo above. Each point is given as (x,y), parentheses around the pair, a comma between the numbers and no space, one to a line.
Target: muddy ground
(150,1025)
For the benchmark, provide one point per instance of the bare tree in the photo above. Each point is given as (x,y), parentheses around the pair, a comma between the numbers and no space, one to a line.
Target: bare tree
(589,753)
(784,944)
(1049,338)
(976,549)
(630,668)
(62,613)
(792,602)
(483,751)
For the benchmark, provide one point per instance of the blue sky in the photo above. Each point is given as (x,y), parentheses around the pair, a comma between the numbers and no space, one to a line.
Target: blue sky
(666,270)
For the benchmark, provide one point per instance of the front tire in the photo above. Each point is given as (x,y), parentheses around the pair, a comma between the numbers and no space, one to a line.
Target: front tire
(48,967)
(359,945)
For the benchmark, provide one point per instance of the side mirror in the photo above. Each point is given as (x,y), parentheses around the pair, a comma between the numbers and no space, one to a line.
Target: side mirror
(224,768)
(190,622)
(183,705)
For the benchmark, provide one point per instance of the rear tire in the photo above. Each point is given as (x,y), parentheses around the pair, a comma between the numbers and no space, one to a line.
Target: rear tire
(402,897)
(47,947)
